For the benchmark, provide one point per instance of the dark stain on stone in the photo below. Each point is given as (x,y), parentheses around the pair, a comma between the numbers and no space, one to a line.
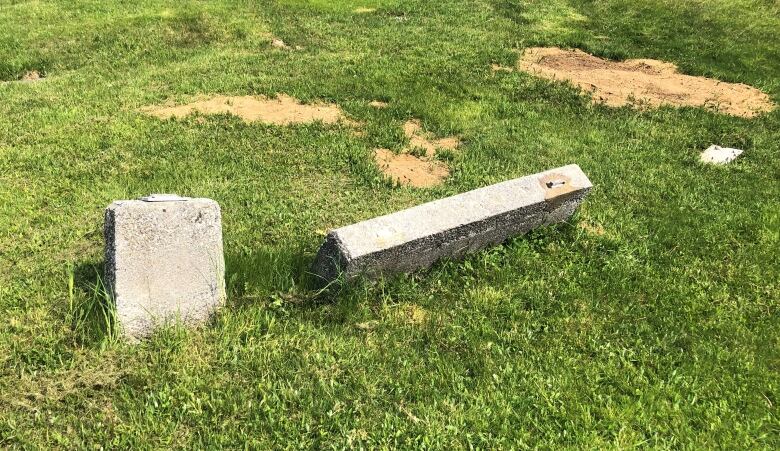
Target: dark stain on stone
(556,185)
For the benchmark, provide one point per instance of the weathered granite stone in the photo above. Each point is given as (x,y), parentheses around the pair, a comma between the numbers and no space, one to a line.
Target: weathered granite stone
(452,227)
(163,261)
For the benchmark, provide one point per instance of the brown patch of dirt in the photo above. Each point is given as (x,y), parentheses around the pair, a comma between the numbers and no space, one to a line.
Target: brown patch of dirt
(647,81)
(419,139)
(412,170)
(378,104)
(33,75)
(28,77)
(279,44)
(283,110)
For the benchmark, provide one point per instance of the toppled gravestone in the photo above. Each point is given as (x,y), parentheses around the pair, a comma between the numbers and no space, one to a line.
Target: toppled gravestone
(452,227)
(163,261)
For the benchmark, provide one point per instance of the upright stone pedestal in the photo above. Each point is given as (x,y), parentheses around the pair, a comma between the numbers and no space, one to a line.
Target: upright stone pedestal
(449,228)
(164,261)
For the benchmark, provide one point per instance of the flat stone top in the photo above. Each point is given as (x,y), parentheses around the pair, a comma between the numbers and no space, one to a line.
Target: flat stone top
(159,203)
(444,214)
(163,198)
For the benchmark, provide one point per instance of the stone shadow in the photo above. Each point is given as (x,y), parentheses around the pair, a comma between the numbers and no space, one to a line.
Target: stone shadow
(90,308)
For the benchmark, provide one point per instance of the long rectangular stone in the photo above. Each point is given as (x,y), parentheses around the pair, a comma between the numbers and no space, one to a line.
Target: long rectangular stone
(163,261)
(415,238)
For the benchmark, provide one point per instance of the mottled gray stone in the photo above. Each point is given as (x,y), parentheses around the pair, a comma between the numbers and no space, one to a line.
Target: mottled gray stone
(164,261)
(452,227)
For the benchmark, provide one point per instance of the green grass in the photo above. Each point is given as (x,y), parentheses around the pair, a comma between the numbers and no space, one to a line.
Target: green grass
(661,331)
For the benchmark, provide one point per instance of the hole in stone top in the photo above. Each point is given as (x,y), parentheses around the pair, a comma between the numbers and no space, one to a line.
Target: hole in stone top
(555,183)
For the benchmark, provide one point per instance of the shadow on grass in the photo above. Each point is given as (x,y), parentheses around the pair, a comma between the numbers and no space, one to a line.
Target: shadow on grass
(90,307)
(281,277)
(268,272)
(264,273)
(278,280)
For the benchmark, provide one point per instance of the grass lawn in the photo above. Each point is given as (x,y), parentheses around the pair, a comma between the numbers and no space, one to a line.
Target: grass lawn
(651,318)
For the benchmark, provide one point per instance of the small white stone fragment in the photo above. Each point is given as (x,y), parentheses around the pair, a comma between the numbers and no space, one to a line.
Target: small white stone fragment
(164,261)
(279,44)
(719,155)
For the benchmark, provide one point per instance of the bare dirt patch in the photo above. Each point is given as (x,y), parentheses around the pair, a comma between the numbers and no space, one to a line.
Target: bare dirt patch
(415,164)
(411,170)
(283,110)
(419,139)
(378,104)
(279,44)
(643,81)
(28,77)
(33,75)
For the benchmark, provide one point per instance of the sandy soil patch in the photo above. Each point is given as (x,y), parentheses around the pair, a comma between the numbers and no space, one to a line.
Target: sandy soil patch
(418,139)
(279,44)
(420,169)
(411,170)
(283,110)
(33,75)
(28,77)
(643,81)
(378,104)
